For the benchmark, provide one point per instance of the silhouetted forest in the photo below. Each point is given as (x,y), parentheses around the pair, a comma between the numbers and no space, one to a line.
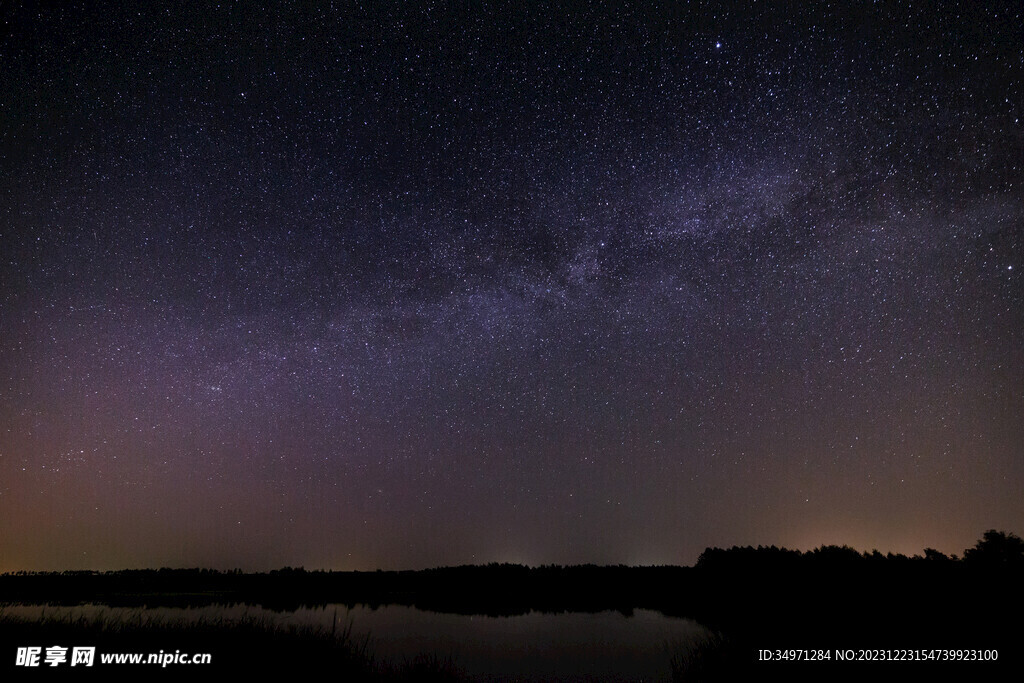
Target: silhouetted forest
(757,598)
(505,589)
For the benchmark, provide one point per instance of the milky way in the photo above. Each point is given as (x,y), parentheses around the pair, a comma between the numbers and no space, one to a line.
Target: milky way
(360,287)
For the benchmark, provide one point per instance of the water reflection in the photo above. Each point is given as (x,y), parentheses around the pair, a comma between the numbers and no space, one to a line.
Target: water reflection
(565,646)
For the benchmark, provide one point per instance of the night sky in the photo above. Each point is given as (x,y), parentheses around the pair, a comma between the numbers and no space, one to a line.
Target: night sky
(359,286)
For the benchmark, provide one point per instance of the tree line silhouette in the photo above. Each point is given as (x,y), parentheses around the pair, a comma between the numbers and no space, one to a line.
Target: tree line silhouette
(503,589)
(757,598)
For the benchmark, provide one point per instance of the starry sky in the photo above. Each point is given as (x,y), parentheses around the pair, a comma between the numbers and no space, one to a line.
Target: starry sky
(361,285)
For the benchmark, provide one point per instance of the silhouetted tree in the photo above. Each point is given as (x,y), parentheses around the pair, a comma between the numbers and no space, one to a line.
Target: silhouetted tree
(997,548)
(935,555)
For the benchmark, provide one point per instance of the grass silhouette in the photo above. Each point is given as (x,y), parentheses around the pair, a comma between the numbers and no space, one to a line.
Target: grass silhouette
(246,644)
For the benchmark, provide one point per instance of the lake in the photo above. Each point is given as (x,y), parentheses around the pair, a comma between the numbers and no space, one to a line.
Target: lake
(568,646)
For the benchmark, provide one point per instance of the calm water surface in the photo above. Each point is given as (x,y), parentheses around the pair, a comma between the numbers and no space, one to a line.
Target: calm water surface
(568,646)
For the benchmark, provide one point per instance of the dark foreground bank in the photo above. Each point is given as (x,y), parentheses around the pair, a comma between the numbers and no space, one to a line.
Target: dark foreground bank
(824,613)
